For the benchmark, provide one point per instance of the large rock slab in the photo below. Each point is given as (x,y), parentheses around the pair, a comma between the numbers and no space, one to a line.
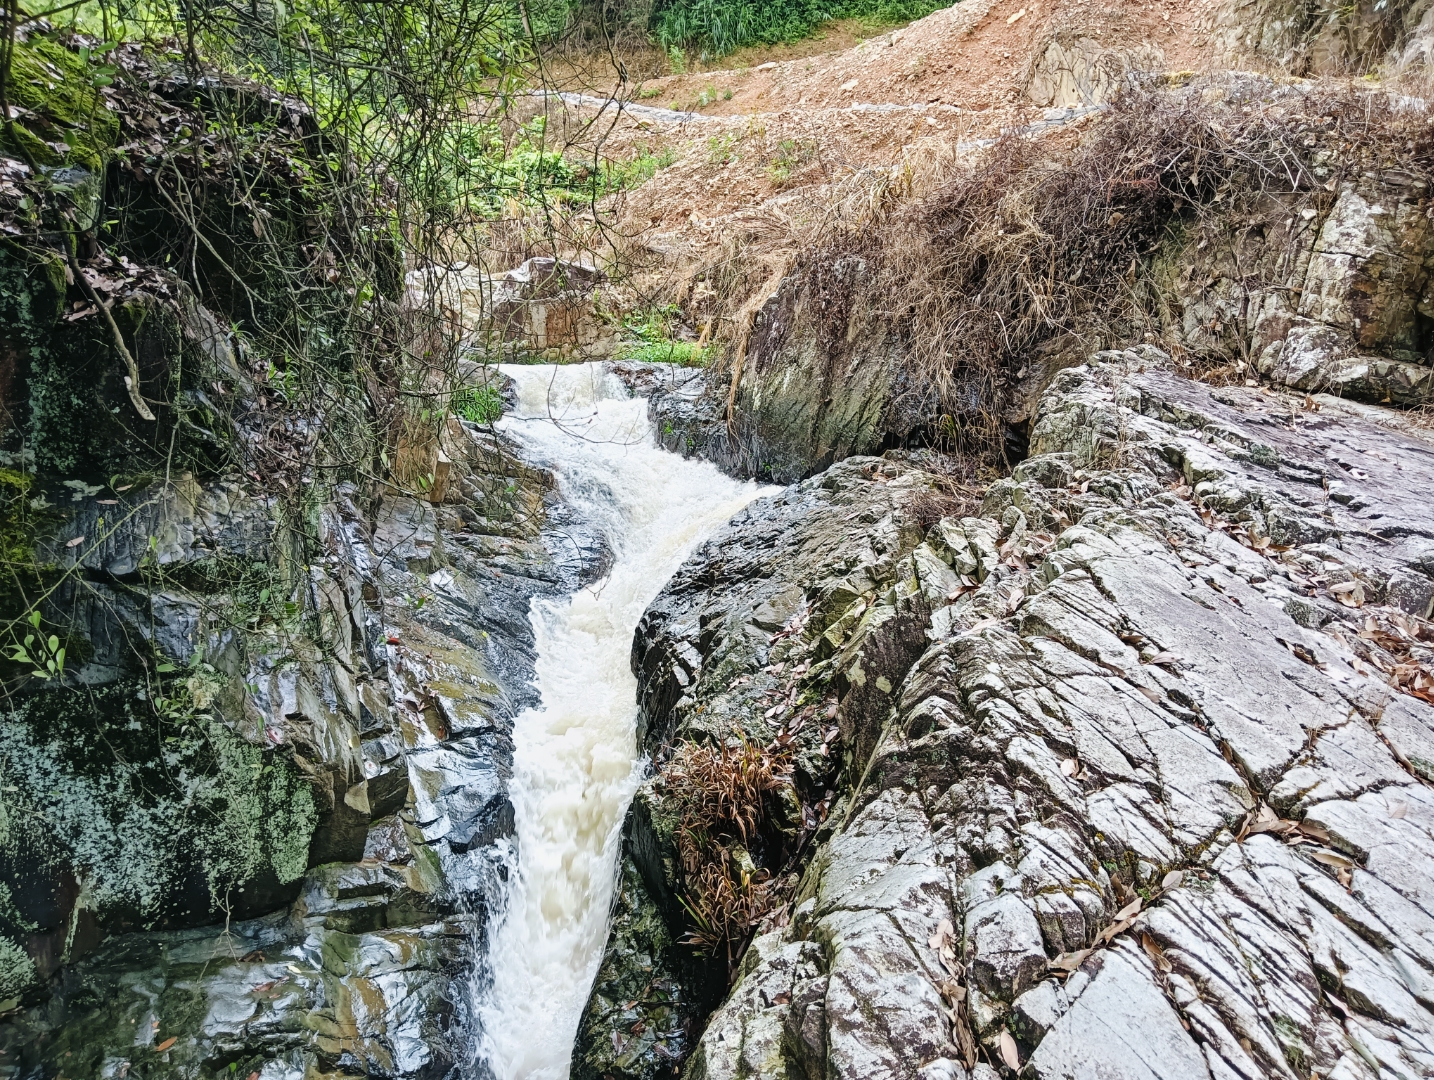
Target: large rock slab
(1154,799)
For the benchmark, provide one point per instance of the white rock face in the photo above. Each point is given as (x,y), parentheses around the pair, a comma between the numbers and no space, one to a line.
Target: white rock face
(1160,814)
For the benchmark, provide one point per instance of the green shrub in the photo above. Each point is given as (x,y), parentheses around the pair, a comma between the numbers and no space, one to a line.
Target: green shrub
(791,155)
(720,26)
(626,175)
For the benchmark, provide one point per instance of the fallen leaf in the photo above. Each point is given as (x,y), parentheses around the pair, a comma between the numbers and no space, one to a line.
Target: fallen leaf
(1399,810)
(1070,766)
(944,932)
(1009,1054)
(1329,858)
(1071,960)
(1344,587)
(783,998)
(1155,952)
(162,1047)
(1151,694)
(1163,658)
(1172,880)
(1314,832)
(1130,910)
(76,542)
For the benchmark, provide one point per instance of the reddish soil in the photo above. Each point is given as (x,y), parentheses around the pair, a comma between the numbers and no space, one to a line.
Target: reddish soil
(793,128)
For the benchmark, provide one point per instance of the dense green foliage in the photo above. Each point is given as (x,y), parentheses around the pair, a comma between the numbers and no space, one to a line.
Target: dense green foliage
(720,26)
(478,404)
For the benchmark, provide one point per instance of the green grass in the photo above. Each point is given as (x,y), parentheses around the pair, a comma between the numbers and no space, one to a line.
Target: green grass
(792,155)
(478,404)
(681,353)
(722,149)
(720,26)
(626,175)
(650,340)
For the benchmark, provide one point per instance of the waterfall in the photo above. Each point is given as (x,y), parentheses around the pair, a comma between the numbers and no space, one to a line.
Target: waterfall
(576,763)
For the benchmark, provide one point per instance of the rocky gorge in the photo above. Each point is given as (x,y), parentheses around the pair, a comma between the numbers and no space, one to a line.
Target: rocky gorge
(989,637)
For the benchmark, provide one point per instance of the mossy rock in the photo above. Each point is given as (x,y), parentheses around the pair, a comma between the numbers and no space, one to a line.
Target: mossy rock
(58,90)
(32,293)
(160,808)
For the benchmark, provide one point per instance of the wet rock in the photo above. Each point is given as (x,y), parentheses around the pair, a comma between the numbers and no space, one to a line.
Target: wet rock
(650,997)
(714,659)
(1146,804)
(392,691)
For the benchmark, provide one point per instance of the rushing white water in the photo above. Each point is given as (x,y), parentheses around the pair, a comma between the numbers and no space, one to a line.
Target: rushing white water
(576,763)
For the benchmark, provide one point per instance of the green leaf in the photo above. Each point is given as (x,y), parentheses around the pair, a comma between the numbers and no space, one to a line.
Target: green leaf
(164,669)
(35,619)
(54,643)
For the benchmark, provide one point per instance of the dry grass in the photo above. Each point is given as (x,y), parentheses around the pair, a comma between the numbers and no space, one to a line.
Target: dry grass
(984,264)
(722,794)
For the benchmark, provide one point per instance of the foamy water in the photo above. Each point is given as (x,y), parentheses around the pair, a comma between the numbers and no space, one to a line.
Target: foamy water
(576,763)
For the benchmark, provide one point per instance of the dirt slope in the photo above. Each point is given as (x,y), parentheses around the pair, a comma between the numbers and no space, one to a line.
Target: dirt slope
(762,140)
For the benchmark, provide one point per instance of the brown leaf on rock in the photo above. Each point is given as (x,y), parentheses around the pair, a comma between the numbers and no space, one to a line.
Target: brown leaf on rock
(1070,961)
(1130,910)
(1155,952)
(1009,1054)
(943,934)
(162,1047)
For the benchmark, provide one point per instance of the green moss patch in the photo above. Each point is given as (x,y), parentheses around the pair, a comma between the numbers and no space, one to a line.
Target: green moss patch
(64,119)
(146,795)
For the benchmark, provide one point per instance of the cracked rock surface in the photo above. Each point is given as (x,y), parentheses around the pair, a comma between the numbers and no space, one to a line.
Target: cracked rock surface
(1150,795)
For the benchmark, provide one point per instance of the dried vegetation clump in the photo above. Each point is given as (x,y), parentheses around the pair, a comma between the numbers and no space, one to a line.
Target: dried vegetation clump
(987,267)
(724,796)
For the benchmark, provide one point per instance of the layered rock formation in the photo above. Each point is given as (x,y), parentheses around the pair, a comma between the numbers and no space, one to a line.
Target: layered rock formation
(1134,762)
(398,709)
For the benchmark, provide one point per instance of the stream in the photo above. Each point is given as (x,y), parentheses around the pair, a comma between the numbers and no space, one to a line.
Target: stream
(576,762)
